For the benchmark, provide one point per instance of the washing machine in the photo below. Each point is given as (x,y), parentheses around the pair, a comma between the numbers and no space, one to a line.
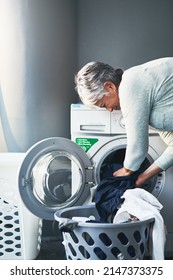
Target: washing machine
(57,173)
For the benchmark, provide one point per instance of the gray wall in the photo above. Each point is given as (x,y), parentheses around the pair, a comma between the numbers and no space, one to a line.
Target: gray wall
(37,64)
(44,42)
(124,32)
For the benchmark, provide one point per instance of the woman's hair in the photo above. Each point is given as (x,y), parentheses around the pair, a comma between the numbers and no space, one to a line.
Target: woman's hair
(90,79)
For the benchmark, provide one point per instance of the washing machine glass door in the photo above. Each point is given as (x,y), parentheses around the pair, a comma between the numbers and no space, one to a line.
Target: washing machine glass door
(55,173)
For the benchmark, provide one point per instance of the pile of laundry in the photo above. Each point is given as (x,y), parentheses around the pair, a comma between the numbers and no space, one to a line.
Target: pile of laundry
(117,200)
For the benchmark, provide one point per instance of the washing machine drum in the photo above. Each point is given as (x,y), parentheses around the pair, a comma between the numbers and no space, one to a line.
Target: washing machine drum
(57,186)
(53,175)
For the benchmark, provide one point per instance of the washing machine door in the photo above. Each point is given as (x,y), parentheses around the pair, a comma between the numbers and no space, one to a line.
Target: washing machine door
(55,173)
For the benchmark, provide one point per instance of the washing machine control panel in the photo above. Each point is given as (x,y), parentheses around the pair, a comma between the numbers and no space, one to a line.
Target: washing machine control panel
(117,122)
(96,120)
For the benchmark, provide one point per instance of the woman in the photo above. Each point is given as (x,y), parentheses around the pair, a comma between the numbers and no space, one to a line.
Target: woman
(144,94)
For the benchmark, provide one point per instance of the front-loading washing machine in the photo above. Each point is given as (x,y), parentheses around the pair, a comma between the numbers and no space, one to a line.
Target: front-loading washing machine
(57,173)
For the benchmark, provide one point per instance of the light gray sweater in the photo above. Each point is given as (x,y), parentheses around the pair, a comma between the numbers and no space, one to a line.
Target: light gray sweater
(146,98)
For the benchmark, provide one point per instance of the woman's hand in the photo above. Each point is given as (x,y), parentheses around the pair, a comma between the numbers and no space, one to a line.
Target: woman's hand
(143,177)
(122,172)
(140,180)
(147,174)
(125,172)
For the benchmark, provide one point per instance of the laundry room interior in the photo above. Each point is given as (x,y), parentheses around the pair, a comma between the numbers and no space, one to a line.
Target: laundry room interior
(43,44)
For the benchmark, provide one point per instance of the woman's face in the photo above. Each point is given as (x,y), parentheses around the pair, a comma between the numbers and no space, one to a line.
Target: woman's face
(110,100)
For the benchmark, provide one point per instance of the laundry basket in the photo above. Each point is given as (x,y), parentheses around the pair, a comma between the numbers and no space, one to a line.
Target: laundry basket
(102,241)
(20,231)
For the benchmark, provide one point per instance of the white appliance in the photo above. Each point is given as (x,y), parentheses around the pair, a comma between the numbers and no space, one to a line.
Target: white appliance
(57,173)
(20,230)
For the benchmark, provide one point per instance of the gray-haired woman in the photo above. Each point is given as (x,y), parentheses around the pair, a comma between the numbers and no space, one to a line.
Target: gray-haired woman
(144,94)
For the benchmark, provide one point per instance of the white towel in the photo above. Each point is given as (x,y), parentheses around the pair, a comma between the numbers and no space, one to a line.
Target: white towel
(144,205)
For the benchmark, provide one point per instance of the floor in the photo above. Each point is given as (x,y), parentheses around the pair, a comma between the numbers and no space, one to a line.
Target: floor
(51,250)
(51,245)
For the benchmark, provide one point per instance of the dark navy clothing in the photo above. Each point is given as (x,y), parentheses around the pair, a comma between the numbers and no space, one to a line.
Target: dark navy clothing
(108,194)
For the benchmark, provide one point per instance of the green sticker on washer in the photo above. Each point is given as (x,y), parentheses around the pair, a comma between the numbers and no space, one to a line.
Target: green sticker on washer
(86,143)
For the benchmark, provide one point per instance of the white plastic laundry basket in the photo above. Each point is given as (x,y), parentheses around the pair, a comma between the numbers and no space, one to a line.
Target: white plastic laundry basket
(20,231)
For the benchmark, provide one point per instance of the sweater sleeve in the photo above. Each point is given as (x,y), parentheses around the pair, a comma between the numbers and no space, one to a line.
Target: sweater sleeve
(135,106)
(166,158)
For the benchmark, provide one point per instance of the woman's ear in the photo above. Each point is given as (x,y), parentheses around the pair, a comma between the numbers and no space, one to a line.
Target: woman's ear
(109,86)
